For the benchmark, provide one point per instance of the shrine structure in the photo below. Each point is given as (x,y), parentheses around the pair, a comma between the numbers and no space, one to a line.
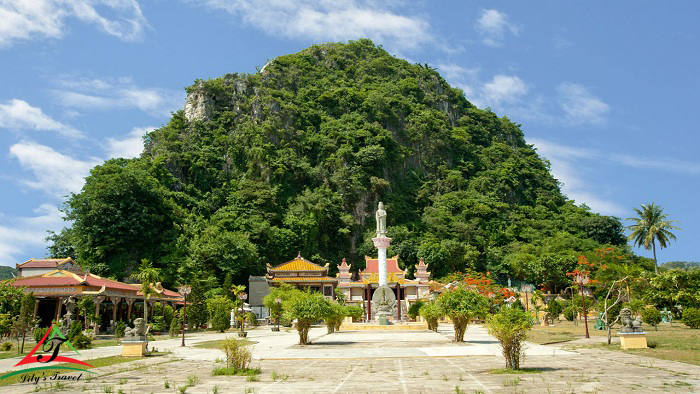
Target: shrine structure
(58,284)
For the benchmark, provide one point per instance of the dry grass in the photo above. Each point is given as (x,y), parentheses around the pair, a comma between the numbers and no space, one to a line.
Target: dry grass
(562,331)
(676,343)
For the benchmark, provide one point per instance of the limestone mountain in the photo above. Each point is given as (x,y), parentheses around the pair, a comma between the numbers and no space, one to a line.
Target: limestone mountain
(296,157)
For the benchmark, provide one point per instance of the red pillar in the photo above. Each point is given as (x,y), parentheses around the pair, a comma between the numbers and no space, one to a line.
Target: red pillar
(398,300)
(369,302)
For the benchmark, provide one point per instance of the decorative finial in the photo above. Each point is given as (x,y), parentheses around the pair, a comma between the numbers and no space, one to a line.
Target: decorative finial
(299,255)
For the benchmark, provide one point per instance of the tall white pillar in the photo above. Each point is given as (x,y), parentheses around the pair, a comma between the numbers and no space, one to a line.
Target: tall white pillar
(382,244)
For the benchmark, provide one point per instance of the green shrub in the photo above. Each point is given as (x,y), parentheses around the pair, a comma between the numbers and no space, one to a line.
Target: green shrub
(510,327)
(518,304)
(219,309)
(238,357)
(414,309)
(119,329)
(6,346)
(554,309)
(691,317)
(39,333)
(569,313)
(158,324)
(354,311)
(81,341)
(305,308)
(175,324)
(335,313)
(652,317)
(652,344)
(462,304)
(252,319)
(75,328)
(431,312)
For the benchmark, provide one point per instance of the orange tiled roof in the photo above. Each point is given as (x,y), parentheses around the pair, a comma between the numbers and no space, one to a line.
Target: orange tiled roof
(44,263)
(298,264)
(304,279)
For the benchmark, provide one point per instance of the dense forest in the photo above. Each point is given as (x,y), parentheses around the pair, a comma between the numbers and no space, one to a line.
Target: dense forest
(296,157)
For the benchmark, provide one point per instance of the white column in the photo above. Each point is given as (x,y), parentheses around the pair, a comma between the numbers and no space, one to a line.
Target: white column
(381,244)
(382,266)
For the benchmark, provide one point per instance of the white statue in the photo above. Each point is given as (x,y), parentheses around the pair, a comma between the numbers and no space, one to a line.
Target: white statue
(381,221)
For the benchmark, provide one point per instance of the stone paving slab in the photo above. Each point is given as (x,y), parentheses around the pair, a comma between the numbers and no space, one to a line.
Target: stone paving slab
(409,371)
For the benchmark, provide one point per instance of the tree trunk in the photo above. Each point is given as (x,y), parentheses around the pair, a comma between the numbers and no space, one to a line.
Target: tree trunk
(145,310)
(656,264)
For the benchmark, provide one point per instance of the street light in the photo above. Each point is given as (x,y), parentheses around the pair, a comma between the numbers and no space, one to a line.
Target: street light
(581,279)
(527,289)
(184,290)
(243,296)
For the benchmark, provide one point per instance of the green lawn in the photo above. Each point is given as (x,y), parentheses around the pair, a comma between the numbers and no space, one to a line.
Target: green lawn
(676,343)
(217,343)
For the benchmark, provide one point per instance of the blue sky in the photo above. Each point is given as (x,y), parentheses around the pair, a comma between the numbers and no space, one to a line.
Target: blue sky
(607,91)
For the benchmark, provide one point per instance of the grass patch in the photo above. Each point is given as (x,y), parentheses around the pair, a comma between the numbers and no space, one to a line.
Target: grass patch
(236,372)
(503,371)
(12,353)
(217,343)
(675,343)
(95,362)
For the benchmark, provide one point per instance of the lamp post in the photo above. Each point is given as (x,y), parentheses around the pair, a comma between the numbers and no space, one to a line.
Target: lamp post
(184,290)
(582,279)
(526,289)
(242,296)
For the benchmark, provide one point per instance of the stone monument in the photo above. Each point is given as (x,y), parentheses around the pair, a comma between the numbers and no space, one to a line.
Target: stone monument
(632,336)
(135,340)
(383,299)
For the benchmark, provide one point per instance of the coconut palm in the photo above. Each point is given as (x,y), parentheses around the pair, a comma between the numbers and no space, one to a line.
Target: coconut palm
(650,226)
(148,276)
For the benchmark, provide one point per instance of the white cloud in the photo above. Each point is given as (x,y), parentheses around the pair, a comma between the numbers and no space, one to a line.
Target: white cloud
(661,163)
(503,89)
(579,105)
(120,93)
(129,147)
(18,234)
(567,165)
(493,26)
(39,19)
(328,20)
(17,114)
(55,174)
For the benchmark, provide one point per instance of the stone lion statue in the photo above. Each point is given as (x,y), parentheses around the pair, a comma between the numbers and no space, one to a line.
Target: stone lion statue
(139,329)
(629,323)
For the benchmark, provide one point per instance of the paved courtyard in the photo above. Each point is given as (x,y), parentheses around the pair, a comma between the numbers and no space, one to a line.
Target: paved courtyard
(382,362)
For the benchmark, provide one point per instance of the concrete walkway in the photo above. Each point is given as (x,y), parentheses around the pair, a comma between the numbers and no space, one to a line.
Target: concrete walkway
(340,345)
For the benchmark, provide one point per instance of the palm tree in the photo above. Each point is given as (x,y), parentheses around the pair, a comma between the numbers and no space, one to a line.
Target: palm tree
(147,275)
(650,226)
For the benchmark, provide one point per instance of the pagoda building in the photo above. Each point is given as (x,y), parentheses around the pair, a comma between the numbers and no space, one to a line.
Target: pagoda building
(302,274)
(407,291)
(58,284)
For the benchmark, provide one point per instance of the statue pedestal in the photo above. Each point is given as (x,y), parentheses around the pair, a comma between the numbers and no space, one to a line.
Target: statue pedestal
(633,340)
(134,348)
